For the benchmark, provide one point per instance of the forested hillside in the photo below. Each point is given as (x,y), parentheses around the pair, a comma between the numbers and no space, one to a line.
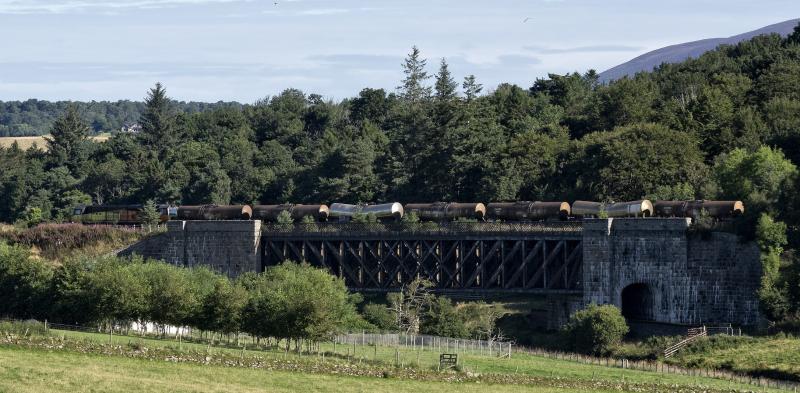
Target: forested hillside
(36,117)
(723,126)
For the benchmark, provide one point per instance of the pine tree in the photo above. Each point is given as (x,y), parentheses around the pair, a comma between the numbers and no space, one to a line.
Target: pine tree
(157,121)
(413,88)
(445,84)
(150,214)
(471,87)
(66,144)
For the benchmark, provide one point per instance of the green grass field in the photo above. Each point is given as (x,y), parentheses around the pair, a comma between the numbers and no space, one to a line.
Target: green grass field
(26,142)
(770,356)
(518,364)
(39,371)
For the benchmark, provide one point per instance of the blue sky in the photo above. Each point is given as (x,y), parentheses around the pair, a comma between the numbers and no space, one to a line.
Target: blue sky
(210,50)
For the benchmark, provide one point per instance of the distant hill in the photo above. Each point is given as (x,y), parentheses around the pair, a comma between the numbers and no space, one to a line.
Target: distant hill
(680,52)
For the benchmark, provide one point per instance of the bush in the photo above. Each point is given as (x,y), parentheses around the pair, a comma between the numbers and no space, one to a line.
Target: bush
(596,330)
(443,319)
(297,301)
(380,316)
(24,283)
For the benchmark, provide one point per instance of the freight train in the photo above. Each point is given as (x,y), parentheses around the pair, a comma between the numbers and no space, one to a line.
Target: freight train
(438,211)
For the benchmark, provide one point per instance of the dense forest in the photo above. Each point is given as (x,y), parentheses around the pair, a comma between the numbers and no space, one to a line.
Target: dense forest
(723,126)
(36,117)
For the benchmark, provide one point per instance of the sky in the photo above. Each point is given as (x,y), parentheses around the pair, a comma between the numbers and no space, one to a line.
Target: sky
(246,50)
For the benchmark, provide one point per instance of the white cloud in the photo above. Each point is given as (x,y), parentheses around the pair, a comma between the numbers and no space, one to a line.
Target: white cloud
(66,6)
(324,11)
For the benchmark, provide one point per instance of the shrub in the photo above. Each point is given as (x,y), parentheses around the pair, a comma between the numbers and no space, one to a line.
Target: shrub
(223,307)
(284,218)
(596,329)
(443,319)
(297,301)
(24,283)
(115,292)
(380,316)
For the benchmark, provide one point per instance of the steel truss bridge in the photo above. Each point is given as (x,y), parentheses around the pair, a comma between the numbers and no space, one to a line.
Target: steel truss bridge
(499,257)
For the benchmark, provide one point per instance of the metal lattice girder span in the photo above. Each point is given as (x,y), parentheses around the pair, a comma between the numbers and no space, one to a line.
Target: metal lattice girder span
(534,262)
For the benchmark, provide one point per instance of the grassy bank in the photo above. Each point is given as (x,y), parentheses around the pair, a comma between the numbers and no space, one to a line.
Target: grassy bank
(521,368)
(771,357)
(62,241)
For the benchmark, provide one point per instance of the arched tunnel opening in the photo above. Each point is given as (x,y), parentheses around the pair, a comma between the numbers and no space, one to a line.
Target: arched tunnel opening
(638,302)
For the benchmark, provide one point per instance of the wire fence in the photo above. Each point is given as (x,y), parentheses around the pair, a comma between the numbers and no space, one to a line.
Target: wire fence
(423,342)
(664,368)
(143,228)
(508,349)
(436,344)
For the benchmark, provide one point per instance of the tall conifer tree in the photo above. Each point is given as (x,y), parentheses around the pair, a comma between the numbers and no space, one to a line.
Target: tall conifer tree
(413,88)
(445,84)
(471,88)
(67,141)
(158,120)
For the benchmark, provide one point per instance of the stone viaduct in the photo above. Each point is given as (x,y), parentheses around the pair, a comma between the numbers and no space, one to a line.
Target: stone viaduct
(654,269)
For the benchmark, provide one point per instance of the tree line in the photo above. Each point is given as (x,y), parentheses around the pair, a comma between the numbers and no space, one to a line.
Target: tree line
(291,301)
(36,117)
(722,126)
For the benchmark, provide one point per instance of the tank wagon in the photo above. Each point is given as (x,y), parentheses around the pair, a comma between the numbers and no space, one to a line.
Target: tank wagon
(297,212)
(383,211)
(446,211)
(694,209)
(215,212)
(641,208)
(528,211)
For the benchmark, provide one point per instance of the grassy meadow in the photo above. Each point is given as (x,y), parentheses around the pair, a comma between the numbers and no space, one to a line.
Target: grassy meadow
(774,357)
(41,371)
(519,365)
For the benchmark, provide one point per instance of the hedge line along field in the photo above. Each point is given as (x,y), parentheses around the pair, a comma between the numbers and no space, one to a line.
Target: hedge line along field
(520,365)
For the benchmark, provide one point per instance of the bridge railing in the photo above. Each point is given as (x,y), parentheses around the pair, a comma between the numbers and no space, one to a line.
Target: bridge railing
(425,228)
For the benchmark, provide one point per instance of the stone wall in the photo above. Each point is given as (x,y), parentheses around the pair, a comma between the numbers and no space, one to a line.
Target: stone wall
(672,276)
(230,247)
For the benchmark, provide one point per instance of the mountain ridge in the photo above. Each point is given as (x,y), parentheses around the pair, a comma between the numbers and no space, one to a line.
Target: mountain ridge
(693,49)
